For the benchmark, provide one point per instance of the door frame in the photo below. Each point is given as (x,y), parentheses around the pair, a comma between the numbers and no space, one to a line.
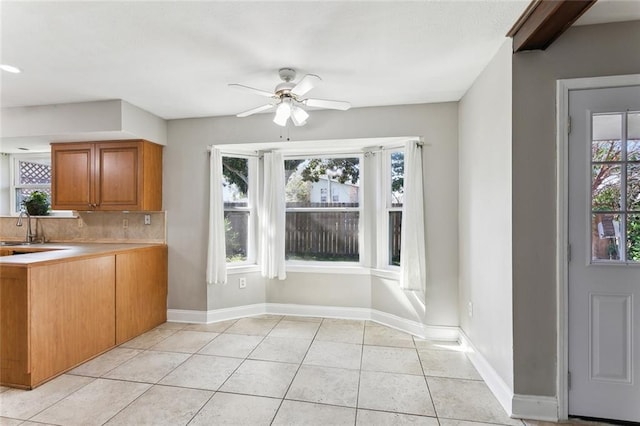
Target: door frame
(563,87)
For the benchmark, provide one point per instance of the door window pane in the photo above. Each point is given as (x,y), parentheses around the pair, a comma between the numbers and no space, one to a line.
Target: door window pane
(633,136)
(615,187)
(606,237)
(633,186)
(605,186)
(633,237)
(606,150)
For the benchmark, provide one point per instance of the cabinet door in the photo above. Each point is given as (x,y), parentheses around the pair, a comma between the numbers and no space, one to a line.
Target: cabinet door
(72,307)
(15,368)
(141,291)
(72,170)
(119,176)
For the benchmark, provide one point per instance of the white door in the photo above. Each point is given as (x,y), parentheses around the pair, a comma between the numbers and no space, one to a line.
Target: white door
(604,238)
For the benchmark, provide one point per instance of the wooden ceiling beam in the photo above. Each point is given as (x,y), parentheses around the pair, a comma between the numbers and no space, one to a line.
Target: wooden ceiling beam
(543,21)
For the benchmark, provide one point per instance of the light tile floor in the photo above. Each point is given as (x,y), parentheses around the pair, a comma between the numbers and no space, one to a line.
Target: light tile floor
(266,370)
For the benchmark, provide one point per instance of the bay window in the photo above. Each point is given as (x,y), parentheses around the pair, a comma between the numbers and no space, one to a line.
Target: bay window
(342,208)
(238,194)
(393,192)
(322,209)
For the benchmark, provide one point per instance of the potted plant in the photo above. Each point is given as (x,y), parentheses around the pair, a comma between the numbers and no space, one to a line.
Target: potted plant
(37,204)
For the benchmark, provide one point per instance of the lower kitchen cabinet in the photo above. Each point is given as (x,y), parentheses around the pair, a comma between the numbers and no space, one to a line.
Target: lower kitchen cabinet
(141,291)
(55,316)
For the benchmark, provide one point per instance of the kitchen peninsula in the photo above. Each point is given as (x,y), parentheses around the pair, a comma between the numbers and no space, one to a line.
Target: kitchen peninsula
(62,304)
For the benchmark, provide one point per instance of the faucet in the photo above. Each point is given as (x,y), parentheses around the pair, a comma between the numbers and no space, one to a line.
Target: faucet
(29,238)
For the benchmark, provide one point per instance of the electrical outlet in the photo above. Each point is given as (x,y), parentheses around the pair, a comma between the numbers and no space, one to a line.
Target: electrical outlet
(470,309)
(242,282)
(147,219)
(125,223)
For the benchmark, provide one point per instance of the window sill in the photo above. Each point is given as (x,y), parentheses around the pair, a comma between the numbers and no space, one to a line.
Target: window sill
(386,273)
(242,269)
(322,269)
(330,268)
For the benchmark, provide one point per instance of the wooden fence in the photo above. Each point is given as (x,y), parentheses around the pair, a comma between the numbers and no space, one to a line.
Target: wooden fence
(319,235)
(322,235)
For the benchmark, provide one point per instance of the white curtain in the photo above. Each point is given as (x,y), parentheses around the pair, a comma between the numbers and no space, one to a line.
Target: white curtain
(216,254)
(272,218)
(413,256)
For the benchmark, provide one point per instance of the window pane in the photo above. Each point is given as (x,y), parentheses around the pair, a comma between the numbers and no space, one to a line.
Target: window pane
(34,172)
(322,236)
(605,187)
(633,186)
(606,150)
(235,181)
(633,237)
(322,182)
(395,227)
(607,126)
(23,193)
(236,227)
(633,136)
(397,178)
(633,150)
(605,237)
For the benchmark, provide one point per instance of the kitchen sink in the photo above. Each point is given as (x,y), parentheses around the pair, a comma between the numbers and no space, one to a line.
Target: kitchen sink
(13,243)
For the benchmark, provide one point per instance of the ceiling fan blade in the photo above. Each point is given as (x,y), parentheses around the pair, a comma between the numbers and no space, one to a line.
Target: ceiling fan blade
(255,110)
(307,83)
(252,90)
(324,103)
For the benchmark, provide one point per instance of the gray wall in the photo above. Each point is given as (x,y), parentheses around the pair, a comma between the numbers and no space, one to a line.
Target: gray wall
(186,201)
(587,51)
(485,213)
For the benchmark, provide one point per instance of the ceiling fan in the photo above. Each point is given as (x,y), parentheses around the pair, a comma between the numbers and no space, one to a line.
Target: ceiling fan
(288,99)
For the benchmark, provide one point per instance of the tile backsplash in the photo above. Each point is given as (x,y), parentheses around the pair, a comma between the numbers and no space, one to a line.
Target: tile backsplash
(117,227)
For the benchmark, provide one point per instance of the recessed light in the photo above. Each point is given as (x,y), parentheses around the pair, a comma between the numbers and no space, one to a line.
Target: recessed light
(10,68)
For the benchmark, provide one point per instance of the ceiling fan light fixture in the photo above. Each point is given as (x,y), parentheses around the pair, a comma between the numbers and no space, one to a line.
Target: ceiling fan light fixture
(283,112)
(299,116)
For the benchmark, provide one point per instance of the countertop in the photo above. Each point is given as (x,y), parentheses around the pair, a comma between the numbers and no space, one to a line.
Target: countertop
(59,252)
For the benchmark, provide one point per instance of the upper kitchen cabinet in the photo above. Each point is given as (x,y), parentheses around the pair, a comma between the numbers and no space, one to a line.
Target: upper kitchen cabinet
(113,175)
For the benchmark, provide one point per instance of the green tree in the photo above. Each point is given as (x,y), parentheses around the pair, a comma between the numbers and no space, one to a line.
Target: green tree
(236,172)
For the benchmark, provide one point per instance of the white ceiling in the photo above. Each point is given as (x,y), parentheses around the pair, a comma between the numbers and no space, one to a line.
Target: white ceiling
(175,58)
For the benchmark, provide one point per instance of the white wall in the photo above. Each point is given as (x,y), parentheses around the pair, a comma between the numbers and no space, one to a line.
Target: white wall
(186,202)
(484,153)
(586,51)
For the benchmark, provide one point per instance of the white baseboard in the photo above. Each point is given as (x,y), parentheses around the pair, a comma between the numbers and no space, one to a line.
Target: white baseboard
(535,407)
(432,332)
(318,311)
(502,391)
(532,407)
(206,317)
(390,320)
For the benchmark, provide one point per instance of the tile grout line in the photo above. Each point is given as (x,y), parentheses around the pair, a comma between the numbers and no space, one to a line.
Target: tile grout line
(364,330)
(424,375)
(296,373)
